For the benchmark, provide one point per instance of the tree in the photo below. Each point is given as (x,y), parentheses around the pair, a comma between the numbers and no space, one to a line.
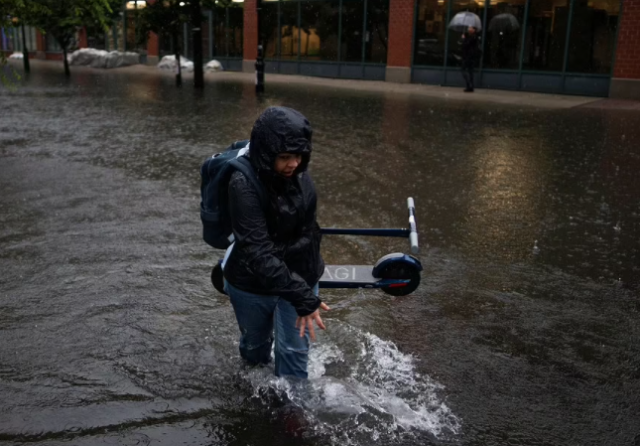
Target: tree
(62,18)
(18,13)
(8,10)
(166,17)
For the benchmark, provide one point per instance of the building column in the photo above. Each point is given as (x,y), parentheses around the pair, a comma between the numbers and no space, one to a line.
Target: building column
(625,83)
(400,36)
(41,46)
(250,36)
(153,49)
(83,42)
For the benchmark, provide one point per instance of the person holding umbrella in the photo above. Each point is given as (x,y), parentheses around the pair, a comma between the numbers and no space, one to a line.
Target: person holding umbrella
(469,24)
(470,52)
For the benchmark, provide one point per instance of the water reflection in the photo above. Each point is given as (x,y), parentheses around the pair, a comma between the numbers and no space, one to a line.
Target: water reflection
(505,193)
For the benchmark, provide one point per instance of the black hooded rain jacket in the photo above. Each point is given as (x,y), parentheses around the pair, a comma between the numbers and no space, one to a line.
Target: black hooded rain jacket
(277,250)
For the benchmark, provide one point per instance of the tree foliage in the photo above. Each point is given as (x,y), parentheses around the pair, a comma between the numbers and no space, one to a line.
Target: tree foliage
(16,13)
(60,18)
(167,18)
(164,17)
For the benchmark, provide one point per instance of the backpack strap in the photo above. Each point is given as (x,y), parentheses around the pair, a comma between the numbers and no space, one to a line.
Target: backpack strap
(243,164)
(239,144)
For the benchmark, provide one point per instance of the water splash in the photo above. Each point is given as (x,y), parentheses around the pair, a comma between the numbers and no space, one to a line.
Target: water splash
(360,391)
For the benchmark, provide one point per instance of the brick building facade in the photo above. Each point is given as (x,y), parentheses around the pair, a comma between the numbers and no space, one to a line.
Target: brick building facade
(625,82)
(585,48)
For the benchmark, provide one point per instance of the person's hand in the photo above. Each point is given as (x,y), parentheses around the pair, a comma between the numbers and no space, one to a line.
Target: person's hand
(307,322)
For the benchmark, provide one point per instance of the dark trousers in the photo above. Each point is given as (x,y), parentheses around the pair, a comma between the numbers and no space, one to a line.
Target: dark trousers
(467,73)
(261,319)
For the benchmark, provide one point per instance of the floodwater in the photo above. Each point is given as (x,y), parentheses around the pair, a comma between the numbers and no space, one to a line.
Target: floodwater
(524,331)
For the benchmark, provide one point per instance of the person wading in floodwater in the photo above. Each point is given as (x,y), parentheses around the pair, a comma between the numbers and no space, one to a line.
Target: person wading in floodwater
(470,53)
(274,266)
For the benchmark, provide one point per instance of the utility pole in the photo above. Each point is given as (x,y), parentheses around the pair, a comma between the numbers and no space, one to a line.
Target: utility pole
(196,32)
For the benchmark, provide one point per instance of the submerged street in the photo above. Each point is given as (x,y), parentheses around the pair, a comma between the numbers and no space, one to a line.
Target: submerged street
(524,331)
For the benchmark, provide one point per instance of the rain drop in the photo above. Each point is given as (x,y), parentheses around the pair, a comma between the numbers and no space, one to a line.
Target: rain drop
(617,227)
(536,250)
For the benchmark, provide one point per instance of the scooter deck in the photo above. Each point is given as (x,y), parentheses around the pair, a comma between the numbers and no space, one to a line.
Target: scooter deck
(340,274)
(356,276)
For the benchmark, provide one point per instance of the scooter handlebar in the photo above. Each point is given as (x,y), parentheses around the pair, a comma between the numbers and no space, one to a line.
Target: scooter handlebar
(413,235)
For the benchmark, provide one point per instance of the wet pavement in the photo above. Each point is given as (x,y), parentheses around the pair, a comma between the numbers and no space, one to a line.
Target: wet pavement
(524,331)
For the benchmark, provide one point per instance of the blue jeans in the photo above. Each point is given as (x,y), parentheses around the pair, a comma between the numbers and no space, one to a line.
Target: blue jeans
(259,317)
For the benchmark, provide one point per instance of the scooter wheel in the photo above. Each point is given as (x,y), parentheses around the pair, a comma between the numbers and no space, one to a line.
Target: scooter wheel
(401,271)
(217,278)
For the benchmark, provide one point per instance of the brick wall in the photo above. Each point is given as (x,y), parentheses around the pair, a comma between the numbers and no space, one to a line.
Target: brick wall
(400,32)
(250,30)
(82,37)
(153,45)
(41,41)
(628,49)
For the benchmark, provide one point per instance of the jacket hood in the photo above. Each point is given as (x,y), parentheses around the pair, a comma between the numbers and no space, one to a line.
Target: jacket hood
(279,130)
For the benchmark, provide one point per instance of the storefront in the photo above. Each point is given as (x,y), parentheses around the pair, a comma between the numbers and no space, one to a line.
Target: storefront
(554,46)
(11,39)
(586,47)
(329,38)
(222,36)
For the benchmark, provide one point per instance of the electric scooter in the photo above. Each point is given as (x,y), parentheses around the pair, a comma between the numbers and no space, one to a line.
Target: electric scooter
(397,274)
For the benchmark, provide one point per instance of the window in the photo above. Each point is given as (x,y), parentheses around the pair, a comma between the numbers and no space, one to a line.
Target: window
(29,37)
(319,23)
(592,36)
(52,44)
(268,28)
(430,35)
(219,31)
(11,39)
(455,37)
(115,37)
(289,35)
(377,33)
(136,41)
(503,34)
(96,37)
(352,30)
(309,30)
(236,27)
(545,35)
(5,39)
